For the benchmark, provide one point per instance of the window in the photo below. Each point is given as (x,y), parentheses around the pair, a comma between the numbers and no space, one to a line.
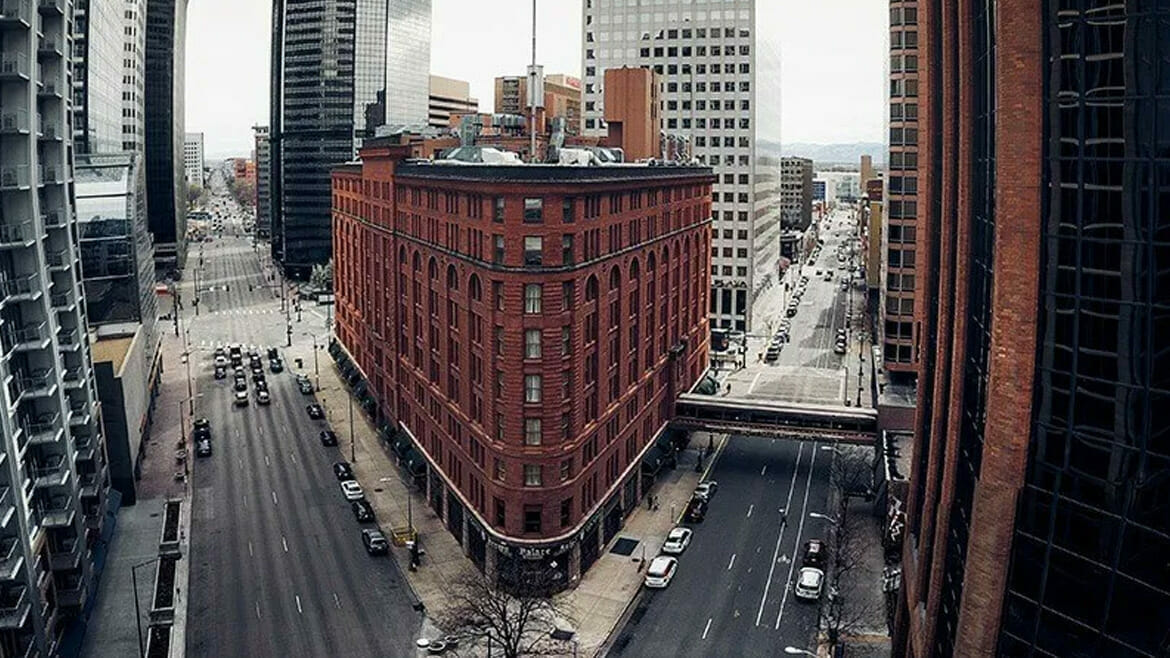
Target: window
(566,512)
(532,343)
(498,254)
(501,472)
(500,512)
(532,518)
(533,211)
(566,341)
(532,475)
(533,432)
(568,292)
(566,469)
(533,250)
(532,388)
(567,249)
(568,213)
(498,212)
(532,298)
(498,294)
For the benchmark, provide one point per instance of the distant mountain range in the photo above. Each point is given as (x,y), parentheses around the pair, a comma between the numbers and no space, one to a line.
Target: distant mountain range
(826,154)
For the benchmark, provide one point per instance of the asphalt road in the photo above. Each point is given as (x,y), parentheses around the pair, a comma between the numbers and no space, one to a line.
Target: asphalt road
(277,564)
(732,595)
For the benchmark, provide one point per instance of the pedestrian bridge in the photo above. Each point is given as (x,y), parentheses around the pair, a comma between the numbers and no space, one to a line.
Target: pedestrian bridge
(806,422)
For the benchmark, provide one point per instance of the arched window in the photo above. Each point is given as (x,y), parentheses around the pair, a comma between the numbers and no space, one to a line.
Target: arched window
(474,288)
(452,278)
(591,289)
(433,269)
(634,270)
(615,278)
(416,265)
(402,255)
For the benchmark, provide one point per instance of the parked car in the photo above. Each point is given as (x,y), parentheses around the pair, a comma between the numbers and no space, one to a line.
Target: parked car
(677,541)
(343,470)
(696,509)
(306,387)
(203,447)
(202,429)
(262,396)
(362,511)
(328,438)
(220,373)
(839,348)
(375,542)
(241,398)
(814,554)
(352,490)
(809,583)
(315,411)
(706,490)
(661,572)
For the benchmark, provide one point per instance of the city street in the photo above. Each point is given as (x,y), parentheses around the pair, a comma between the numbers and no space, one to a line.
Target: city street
(277,565)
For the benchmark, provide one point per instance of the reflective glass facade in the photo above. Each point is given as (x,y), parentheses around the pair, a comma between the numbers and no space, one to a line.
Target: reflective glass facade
(97,72)
(332,79)
(1089,574)
(166,26)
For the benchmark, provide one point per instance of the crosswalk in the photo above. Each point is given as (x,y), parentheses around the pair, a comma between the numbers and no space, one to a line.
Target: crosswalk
(246,311)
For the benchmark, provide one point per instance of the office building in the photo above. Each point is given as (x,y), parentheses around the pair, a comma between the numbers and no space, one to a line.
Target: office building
(117,267)
(448,95)
(133,59)
(841,187)
(899,356)
(263,195)
(166,187)
(193,159)
(326,101)
(561,98)
(97,67)
(721,88)
(53,473)
(565,313)
(796,192)
(1036,523)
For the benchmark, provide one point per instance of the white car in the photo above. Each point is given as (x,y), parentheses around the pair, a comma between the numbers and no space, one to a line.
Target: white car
(241,398)
(706,490)
(262,397)
(221,360)
(677,541)
(809,583)
(661,572)
(352,490)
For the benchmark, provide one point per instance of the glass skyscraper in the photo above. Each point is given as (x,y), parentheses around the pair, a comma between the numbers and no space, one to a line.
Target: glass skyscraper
(166,189)
(340,69)
(97,72)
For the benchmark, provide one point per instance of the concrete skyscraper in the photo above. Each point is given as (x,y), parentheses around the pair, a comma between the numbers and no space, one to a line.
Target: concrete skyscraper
(53,468)
(134,76)
(166,189)
(1037,517)
(325,101)
(193,163)
(263,192)
(97,69)
(721,87)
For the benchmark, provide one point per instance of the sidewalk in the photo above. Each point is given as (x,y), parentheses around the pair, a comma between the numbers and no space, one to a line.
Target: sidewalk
(602,595)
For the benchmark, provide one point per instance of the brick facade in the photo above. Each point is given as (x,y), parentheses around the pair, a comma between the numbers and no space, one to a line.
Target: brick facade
(532,380)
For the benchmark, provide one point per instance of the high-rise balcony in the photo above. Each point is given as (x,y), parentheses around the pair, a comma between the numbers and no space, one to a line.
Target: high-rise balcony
(14,607)
(67,339)
(52,174)
(14,66)
(71,591)
(20,289)
(53,219)
(14,177)
(62,301)
(92,483)
(49,46)
(14,122)
(44,430)
(48,130)
(51,472)
(11,559)
(7,506)
(58,260)
(18,12)
(51,6)
(78,412)
(17,234)
(49,86)
(84,446)
(38,383)
(27,338)
(58,516)
(65,554)
(73,377)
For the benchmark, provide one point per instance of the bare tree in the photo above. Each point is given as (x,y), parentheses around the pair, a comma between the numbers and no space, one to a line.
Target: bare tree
(845,611)
(515,623)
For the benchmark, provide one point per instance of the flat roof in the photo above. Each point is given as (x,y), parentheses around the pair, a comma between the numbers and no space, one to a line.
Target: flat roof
(549,173)
(113,350)
(899,448)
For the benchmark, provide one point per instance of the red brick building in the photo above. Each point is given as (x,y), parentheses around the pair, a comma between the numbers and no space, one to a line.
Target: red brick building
(525,330)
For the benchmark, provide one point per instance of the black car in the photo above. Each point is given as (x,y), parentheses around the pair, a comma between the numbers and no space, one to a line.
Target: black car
(203,447)
(257,368)
(276,365)
(696,509)
(814,553)
(257,377)
(343,470)
(220,372)
(306,386)
(329,438)
(261,385)
(272,353)
(315,411)
(362,511)
(201,423)
(241,384)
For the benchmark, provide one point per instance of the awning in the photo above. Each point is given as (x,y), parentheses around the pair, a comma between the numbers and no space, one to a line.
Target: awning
(416,464)
(401,446)
(665,444)
(653,460)
(360,389)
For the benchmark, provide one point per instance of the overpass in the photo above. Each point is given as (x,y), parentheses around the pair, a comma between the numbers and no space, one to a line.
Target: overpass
(807,422)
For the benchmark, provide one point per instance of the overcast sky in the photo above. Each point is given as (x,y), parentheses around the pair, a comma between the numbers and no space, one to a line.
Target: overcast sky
(833,61)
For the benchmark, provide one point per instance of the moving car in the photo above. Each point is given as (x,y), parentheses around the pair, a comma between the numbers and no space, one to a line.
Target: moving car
(706,490)
(221,361)
(328,438)
(661,572)
(272,353)
(241,384)
(276,365)
(814,554)
(677,541)
(258,376)
(375,542)
(809,583)
(315,411)
(241,398)
(262,396)
(362,511)
(343,470)
(352,490)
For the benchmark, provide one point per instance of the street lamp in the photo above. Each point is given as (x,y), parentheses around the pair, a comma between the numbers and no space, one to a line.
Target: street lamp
(823,517)
(316,369)
(794,651)
(137,611)
(182,424)
(187,362)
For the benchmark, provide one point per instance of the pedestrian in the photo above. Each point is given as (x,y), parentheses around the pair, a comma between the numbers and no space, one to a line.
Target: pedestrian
(759,357)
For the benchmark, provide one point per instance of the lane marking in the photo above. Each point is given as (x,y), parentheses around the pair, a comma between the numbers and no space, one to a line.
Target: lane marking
(284,543)
(750,508)
(274,498)
(708,628)
(299,609)
(754,380)
(294,457)
(780,535)
(764,469)
(266,461)
(799,530)
(257,610)
(250,553)
(245,501)
(732,562)
(336,601)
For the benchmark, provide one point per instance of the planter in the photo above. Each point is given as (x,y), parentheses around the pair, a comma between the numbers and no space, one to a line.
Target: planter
(168,544)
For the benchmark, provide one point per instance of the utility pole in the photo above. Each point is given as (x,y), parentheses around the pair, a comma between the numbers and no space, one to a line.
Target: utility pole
(532,82)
